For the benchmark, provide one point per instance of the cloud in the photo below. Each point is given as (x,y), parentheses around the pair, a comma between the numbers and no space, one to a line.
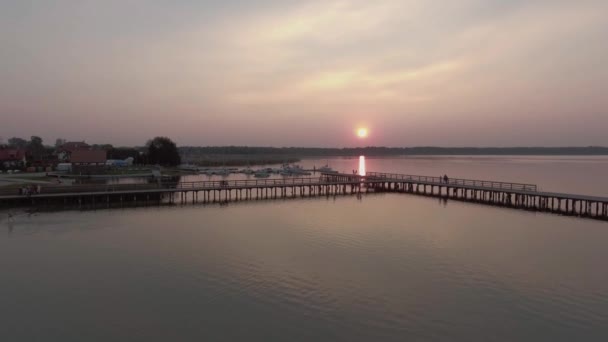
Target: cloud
(434,60)
(328,21)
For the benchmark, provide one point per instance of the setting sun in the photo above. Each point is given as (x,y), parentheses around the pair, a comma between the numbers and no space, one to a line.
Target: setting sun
(362,132)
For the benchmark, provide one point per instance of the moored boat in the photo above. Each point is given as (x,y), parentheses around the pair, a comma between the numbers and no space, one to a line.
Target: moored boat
(261,174)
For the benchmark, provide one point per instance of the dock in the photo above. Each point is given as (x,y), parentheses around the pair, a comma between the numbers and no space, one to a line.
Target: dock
(513,195)
(496,193)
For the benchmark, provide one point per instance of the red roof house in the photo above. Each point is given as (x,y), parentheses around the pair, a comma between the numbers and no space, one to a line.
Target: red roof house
(11,154)
(73,146)
(88,157)
(12,157)
(64,152)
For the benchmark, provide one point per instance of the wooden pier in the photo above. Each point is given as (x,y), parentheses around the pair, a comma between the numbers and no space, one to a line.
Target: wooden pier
(512,195)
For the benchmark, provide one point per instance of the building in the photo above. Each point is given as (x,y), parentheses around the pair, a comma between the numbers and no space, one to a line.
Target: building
(88,160)
(64,152)
(12,158)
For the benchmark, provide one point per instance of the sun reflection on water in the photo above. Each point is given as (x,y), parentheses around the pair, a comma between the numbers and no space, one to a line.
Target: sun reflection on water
(361,165)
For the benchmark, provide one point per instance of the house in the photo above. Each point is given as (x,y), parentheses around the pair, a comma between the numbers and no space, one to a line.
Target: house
(87,160)
(12,158)
(64,152)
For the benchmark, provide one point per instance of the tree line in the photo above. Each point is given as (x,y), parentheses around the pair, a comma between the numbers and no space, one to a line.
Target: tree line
(159,150)
(390,151)
(163,151)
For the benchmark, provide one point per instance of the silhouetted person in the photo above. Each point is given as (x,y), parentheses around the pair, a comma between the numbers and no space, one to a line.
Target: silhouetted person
(445,178)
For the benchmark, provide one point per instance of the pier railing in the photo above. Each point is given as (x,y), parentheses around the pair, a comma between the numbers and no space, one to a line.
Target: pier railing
(244,183)
(271,182)
(197,185)
(453,181)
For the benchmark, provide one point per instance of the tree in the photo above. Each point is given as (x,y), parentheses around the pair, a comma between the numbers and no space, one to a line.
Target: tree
(60,142)
(163,151)
(106,147)
(17,142)
(35,147)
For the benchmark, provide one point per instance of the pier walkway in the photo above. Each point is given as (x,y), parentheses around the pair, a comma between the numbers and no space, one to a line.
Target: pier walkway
(513,195)
(516,195)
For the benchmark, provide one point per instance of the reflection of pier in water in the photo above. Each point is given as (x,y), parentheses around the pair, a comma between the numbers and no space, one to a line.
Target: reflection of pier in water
(512,195)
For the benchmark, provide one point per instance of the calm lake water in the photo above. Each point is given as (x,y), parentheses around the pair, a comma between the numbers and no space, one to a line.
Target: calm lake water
(382,267)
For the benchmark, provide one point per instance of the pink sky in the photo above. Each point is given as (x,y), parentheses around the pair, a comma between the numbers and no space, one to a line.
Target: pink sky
(294,73)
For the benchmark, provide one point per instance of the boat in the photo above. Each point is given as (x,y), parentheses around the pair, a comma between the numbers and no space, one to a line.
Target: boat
(298,170)
(222,172)
(326,169)
(261,174)
(290,170)
(247,171)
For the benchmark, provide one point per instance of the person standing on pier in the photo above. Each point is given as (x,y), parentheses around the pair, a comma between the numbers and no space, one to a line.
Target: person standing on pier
(445,179)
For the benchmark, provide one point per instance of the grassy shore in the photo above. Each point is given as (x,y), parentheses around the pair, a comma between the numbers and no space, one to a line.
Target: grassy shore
(127,171)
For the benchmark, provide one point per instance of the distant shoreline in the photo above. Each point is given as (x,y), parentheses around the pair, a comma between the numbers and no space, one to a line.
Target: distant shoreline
(235,156)
(257,155)
(236,160)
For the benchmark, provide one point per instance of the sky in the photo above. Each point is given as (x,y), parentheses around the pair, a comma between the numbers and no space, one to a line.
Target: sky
(306,73)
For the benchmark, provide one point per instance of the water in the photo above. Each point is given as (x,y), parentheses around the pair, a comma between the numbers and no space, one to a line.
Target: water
(587,175)
(383,267)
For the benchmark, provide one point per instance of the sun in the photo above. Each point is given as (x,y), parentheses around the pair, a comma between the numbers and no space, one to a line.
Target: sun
(362,132)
